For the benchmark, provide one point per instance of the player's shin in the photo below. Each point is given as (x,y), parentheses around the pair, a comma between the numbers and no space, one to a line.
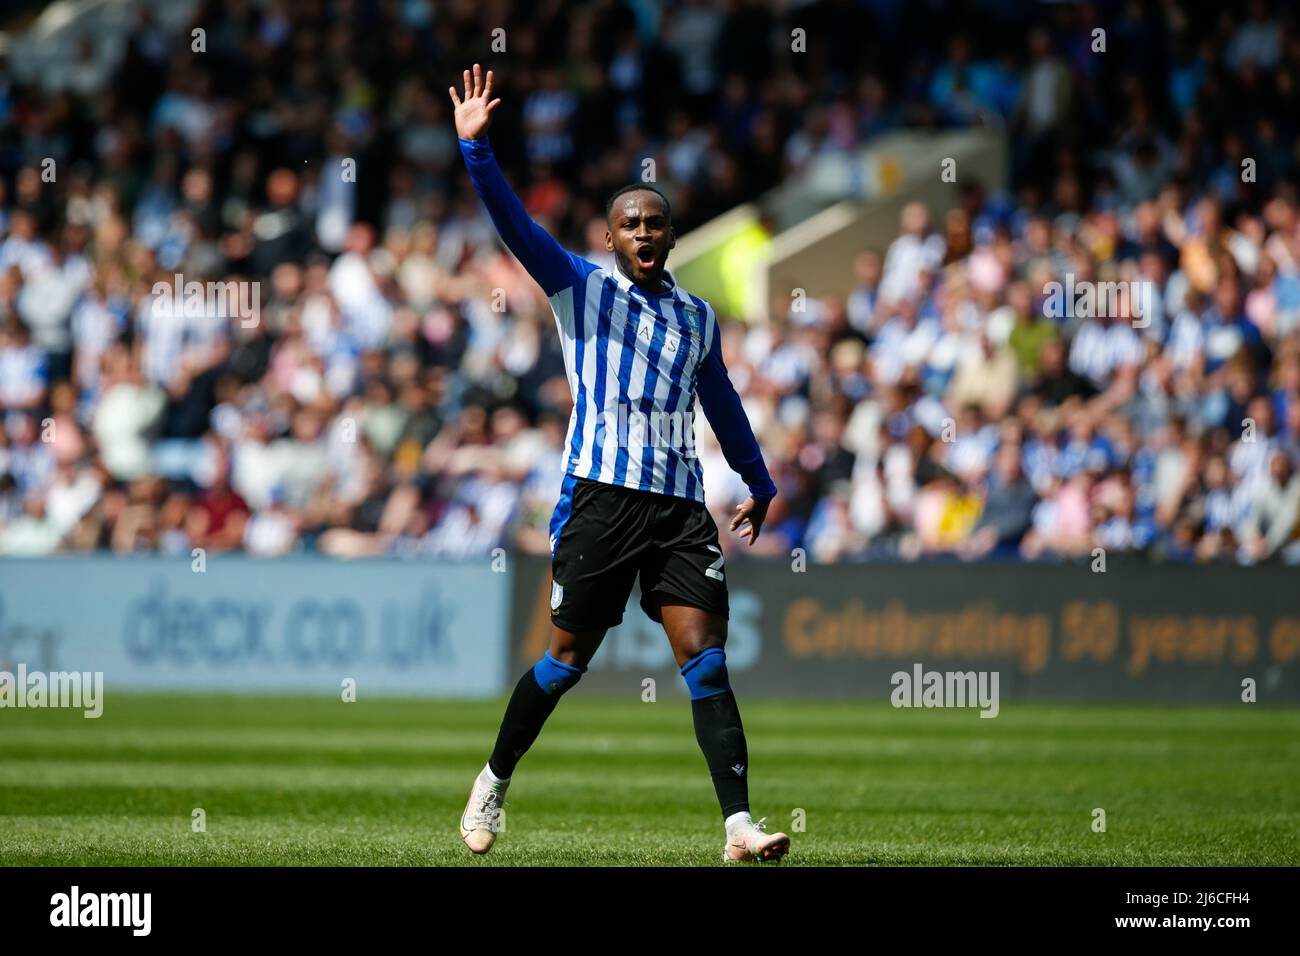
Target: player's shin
(718,729)
(533,700)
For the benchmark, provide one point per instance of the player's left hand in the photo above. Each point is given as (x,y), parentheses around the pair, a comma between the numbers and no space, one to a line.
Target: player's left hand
(752,514)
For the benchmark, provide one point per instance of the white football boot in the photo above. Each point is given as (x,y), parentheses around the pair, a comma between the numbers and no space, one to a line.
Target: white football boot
(482,817)
(748,842)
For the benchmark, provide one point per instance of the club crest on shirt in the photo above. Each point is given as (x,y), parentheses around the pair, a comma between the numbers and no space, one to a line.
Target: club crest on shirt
(557,595)
(694,316)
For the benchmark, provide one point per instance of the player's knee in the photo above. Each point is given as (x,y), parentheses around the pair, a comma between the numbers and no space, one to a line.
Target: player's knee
(706,674)
(555,677)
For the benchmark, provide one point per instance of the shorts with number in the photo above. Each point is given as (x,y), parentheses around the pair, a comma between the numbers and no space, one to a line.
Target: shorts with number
(606,535)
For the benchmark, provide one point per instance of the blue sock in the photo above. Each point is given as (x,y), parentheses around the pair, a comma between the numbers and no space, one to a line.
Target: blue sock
(706,674)
(555,677)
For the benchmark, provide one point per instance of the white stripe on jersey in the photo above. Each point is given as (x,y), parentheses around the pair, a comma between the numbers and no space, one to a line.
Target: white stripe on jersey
(617,340)
(609,347)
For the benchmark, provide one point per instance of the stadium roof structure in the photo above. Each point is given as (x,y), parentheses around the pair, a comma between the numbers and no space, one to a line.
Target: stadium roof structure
(47,52)
(805,233)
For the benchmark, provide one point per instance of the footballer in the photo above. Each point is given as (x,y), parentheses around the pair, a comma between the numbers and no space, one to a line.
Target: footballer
(631,504)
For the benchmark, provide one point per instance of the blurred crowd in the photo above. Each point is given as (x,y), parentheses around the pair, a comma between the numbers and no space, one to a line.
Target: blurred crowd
(383,397)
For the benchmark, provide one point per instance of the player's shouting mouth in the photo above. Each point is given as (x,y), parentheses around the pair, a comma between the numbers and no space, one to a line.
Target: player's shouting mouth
(631,505)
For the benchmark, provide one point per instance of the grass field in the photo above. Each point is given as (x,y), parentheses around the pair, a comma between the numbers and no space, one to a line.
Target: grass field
(311,781)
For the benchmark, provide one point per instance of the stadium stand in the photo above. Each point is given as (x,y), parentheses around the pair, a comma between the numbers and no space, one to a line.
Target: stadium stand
(377,399)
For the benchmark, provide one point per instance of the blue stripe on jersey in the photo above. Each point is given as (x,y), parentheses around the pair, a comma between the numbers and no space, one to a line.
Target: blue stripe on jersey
(579,346)
(693,475)
(608,287)
(646,406)
(625,381)
(675,386)
(696,474)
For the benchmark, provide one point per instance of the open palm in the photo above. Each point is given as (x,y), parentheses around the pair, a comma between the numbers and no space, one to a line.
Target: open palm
(474,113)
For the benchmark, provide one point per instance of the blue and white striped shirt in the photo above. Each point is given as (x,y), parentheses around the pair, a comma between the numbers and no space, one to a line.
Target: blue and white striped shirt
(635,361)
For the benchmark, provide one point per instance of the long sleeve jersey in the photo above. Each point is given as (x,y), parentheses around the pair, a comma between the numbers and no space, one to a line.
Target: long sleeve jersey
(635,361)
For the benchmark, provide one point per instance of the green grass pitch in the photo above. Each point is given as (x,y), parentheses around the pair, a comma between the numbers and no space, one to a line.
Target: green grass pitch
(308,781)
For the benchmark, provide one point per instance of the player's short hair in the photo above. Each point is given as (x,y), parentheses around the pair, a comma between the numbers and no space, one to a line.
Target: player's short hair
(636,188)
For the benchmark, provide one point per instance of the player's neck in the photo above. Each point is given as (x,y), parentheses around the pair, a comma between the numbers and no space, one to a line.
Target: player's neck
(660,287)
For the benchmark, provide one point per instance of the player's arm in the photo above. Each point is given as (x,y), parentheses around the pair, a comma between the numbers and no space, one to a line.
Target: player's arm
(730,424)
(545,259)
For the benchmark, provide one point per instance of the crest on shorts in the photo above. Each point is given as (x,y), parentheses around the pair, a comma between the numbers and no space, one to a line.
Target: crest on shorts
(557,595)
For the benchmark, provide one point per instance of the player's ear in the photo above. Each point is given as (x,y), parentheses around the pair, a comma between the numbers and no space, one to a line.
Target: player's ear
(672,238)
(609,241)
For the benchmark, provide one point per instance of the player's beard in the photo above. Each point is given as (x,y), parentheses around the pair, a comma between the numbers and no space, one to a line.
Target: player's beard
(639,271)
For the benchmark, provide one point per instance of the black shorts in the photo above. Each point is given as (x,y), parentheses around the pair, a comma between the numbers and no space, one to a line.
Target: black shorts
(611,535)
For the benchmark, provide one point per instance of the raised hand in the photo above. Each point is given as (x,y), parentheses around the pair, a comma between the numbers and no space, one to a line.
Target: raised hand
(474,113)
